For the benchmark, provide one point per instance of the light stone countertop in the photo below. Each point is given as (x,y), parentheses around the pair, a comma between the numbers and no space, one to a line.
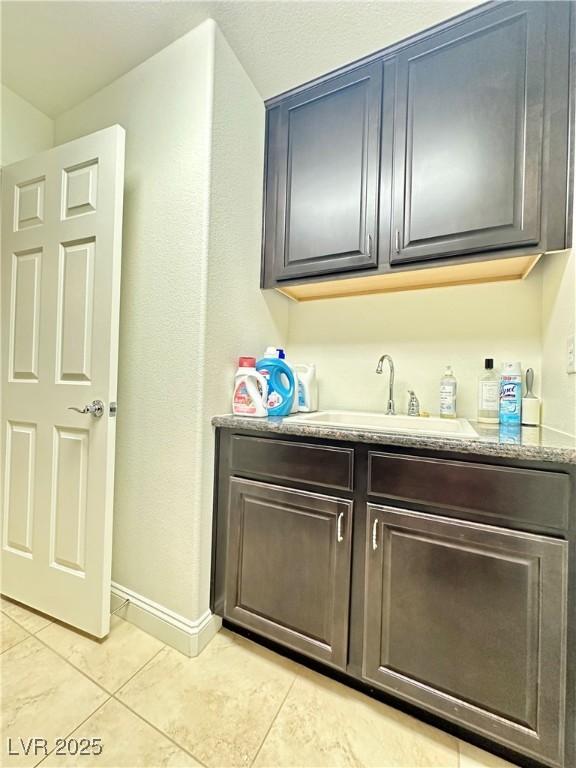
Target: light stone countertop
(529,443)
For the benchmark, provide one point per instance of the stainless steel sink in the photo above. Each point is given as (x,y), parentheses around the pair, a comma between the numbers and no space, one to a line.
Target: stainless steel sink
(380,422)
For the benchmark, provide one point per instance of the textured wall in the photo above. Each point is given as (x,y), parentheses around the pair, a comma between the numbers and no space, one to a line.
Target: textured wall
(558,323)
(240,319)
(25,130)
(165,106)
(423,331)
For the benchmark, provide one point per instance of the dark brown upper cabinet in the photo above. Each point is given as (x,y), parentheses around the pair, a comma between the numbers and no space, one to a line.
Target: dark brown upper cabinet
(322,177)
(468,143)
(443,153)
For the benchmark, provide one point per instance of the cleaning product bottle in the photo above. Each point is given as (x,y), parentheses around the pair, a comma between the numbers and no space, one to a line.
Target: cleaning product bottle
(294,408)
(511,394)
(281,355)
(307,387)
(489,394)
(281,385)
(448,387)
(250,390)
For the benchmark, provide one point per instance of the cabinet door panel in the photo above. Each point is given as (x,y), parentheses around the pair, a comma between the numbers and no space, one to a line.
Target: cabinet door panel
(469,141)
(324,176)
(289,567)
(469,621)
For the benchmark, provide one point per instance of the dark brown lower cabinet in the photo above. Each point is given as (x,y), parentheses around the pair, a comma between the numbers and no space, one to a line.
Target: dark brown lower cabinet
(288,567)
(469,621)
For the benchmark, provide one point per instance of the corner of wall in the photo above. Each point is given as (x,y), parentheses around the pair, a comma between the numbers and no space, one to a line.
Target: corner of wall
(25,129)
(558,324)
(240,318)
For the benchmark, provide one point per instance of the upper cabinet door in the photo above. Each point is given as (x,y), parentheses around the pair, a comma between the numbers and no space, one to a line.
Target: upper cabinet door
(322,177)
(468,141)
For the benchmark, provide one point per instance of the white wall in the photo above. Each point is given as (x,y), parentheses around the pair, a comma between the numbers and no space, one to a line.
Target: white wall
(165,106)
(25,130)
(190,299)
(558,323)
(423,331)
(241,319)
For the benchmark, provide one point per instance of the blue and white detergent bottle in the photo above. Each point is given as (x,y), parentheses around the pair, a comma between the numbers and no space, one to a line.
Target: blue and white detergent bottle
(281,382)
(511,394)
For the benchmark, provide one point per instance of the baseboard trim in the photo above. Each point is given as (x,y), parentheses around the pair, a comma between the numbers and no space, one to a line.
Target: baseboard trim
(187,636)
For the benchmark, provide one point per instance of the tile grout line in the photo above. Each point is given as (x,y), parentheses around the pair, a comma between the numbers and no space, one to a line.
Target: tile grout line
(158,730)
(296,675)
(22,639)
(68,735)
(40,615)
(106,691)
(141,717)
(57,653)
(140,669)
(111,696)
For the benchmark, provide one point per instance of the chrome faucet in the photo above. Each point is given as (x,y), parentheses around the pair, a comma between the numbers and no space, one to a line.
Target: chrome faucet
(390,408)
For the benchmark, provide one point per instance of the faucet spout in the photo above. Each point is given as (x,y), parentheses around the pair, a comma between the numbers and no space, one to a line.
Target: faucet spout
(390,407)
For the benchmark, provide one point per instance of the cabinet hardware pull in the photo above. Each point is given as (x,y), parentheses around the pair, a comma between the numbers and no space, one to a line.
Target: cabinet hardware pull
(369,246)
(339,536)
(375,534)
(397,241)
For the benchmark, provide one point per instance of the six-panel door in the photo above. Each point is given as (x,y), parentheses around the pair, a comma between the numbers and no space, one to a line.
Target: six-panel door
(322,177)
(468,138)
(61,250)
(468,621)
(288,567)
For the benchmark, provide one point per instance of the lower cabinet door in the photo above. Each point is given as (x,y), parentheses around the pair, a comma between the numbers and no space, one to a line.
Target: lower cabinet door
(469,621)
(288,567)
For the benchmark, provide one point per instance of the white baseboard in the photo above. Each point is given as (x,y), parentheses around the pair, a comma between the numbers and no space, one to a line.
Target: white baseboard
(188,637)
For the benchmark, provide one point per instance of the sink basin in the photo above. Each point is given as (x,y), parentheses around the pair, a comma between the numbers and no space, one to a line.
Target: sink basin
(380,422)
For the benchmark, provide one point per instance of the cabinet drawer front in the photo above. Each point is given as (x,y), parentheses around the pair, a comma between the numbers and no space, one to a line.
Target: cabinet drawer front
(524,495)
(296,462)
(288,573)
(469,621)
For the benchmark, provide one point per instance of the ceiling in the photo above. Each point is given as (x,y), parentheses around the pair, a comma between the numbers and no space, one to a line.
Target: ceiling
(56,54)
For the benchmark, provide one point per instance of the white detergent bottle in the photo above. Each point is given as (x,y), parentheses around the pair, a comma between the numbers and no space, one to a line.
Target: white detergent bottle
(307,387)
(250,390)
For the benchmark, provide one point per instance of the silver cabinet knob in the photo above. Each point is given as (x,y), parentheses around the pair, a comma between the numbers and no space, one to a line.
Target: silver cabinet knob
(96,409)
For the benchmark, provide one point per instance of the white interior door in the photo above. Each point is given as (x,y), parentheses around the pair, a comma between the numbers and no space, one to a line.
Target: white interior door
(61,249)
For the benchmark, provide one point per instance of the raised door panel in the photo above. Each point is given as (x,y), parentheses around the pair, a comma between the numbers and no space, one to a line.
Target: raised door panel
(468,147)
(61,236)
(469,621)
(289,567)
(323,157)
(19,481)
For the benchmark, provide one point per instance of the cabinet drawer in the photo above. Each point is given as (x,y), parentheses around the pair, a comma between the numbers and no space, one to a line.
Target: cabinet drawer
(297,462)
(524,495)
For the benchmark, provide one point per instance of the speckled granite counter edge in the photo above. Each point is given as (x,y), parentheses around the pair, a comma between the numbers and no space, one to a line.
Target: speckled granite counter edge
(483,445)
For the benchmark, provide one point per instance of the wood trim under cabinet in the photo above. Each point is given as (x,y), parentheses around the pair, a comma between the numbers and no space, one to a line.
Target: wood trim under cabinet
(498,270)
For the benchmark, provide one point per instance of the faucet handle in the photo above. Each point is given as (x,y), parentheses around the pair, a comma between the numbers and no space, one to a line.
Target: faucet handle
(413,404)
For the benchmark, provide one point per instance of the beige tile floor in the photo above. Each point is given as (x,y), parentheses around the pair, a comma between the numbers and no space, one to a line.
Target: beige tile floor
(236,705)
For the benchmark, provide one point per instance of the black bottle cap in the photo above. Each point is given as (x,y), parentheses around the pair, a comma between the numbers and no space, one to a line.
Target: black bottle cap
(488,363)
